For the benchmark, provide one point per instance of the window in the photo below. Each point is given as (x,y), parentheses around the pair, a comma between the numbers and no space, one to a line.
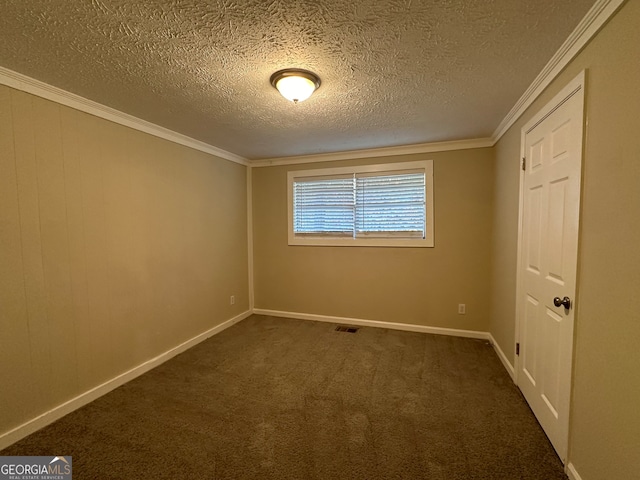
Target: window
(376,205)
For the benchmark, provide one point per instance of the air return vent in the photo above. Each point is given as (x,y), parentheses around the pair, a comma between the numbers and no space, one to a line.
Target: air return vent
(346,328)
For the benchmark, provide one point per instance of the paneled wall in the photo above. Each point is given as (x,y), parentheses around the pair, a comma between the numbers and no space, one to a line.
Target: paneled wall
(115,246)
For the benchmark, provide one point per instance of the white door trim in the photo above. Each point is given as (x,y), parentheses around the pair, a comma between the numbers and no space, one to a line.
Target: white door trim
(575,87)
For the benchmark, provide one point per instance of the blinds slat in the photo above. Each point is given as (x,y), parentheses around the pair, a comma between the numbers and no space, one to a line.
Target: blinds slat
(324,206)
(390,204)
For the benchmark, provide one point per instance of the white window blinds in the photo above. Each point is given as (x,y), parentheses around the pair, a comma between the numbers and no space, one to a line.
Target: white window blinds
(323,206)
(389,204)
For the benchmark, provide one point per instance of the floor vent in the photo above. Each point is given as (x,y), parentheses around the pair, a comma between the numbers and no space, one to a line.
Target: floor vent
(345,328)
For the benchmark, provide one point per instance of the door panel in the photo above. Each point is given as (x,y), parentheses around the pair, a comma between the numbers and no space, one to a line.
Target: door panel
(551,389)
(529,362)
(552,143)
(556,234)
(534,238)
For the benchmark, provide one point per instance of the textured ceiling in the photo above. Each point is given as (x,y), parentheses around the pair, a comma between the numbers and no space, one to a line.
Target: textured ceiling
(394,72)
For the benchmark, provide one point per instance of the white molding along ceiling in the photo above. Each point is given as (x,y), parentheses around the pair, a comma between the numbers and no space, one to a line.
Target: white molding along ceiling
(377,152)
(590,24)
(41,89)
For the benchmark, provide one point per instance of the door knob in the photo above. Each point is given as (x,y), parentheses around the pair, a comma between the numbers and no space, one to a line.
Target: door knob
(566,301)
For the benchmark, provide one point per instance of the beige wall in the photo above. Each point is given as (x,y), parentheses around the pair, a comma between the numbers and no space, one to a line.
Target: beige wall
(405,285)
(605,421)
(115,246)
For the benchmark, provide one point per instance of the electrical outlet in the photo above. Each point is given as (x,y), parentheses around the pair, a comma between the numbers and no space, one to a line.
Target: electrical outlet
(232,300)
(462,309)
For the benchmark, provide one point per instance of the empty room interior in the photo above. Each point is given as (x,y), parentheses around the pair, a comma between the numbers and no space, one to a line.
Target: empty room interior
(421,262)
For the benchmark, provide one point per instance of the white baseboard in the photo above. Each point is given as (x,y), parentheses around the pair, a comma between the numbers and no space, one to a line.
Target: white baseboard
(503,358)
(69,406)
(571,472)
(376,323)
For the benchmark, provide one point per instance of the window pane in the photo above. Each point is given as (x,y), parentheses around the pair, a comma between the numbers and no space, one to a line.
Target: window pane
(370,205)
(391,203)
(323,206)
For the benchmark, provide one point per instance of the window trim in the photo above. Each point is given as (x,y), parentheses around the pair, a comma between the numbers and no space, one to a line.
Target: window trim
(428,241)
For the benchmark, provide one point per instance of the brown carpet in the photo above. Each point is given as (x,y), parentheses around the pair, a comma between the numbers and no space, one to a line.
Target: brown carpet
(273,398)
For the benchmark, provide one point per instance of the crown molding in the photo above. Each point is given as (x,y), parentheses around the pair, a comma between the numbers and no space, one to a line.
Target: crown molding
(36,87)
(376,152)
(592,22)
(588,27)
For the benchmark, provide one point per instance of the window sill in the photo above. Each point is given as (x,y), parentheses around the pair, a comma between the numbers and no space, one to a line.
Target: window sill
(360,242)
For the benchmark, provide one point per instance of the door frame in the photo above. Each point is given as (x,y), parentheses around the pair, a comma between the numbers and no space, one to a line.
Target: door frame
(573,88)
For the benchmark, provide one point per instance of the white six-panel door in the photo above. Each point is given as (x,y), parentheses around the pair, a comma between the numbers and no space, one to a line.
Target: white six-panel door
(550,209)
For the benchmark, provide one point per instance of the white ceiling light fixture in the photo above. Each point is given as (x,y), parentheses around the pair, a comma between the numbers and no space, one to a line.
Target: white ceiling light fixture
(295,84)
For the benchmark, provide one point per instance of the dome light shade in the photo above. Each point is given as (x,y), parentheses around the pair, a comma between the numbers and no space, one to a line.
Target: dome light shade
(295,84)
